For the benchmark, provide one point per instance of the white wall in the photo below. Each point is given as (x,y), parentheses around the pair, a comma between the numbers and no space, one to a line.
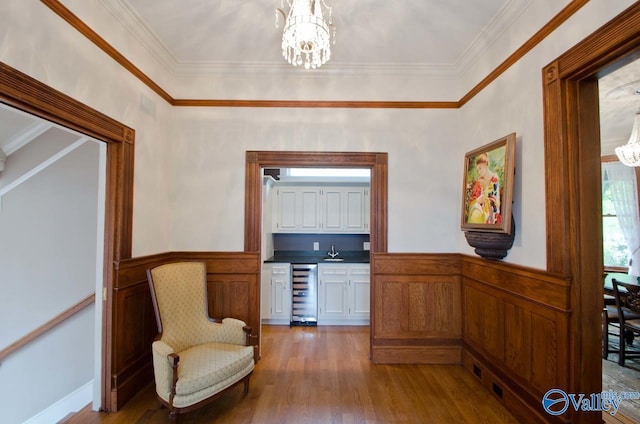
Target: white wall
(41,44)
(47,264)
(513,103)
(209,148)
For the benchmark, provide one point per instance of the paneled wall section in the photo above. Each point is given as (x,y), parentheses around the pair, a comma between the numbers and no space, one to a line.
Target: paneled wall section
(506,324)
(416,308)
(232,284)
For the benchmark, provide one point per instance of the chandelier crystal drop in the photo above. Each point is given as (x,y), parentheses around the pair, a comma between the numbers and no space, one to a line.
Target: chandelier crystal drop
(306,38)
(629,154)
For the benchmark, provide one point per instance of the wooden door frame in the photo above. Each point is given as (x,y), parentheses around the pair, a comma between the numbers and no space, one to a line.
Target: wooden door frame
(573,198)
(30,95)
(256,160)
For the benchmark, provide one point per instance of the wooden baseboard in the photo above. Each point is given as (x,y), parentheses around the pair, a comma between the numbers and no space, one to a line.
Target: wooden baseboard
(441,355)
(122,391)
(504,391)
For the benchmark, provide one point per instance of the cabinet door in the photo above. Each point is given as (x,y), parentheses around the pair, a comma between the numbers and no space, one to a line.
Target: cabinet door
(286,216)
(280,291)
(298,209)
(309,209)
(359,291)
(332,210)
(344,210)
(333,291)
(265,300)
(354,210)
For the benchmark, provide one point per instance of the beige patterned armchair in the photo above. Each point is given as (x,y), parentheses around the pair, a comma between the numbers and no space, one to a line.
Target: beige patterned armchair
(194,358)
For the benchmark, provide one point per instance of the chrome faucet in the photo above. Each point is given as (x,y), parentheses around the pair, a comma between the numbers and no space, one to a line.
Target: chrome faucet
(333,252)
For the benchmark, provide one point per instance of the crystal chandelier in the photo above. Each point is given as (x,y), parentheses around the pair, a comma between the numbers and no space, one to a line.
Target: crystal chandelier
(629,154)
(306,36)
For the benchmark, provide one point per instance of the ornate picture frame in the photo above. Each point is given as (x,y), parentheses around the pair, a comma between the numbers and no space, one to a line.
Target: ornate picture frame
(487,186)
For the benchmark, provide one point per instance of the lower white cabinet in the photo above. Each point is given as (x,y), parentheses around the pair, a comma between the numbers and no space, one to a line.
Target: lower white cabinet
(276,293)
(343,294)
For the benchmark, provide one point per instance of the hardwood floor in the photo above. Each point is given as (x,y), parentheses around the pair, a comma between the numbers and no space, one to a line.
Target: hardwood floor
(324,375)
(622,379)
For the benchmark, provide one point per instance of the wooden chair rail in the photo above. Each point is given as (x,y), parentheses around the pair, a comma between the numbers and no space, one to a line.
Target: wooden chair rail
(89,300)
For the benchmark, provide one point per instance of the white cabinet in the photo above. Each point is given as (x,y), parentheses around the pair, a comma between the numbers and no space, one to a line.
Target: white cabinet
(332,292)
(276,293)
(298,209)
(302,209)
(359,291)
(345,209)
(343,294)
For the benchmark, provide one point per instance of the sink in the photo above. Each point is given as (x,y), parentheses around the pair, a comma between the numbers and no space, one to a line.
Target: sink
(334,259)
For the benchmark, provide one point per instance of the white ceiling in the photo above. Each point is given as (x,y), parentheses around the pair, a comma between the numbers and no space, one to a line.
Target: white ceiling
(207,34)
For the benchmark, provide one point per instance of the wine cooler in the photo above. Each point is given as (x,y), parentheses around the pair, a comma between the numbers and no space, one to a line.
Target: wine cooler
(304,291)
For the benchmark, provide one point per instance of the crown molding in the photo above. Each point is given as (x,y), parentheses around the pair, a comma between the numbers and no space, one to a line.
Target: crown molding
(506,14)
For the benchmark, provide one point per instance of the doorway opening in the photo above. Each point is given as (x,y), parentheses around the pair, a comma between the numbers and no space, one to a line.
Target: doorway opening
(619,103)
(27,94)
(257,161)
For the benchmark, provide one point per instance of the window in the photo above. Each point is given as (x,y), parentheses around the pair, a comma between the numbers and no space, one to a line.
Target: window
(619,213)
(329,172)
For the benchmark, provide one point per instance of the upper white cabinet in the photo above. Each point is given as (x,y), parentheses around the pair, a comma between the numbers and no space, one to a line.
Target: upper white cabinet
(298,209)
(345,210)
(301,209)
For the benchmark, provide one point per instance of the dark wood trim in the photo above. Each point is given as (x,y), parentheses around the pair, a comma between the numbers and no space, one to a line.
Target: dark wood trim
(546,289)
(84,29)
(256,160)
(57,320)
(539,36)
(573,203)
(25,93)
(349,104)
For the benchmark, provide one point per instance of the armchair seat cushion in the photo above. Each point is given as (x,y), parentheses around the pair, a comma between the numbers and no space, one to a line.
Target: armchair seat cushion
(210,367)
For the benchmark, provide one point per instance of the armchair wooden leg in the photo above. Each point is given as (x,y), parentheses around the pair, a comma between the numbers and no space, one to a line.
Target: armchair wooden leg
(246,385)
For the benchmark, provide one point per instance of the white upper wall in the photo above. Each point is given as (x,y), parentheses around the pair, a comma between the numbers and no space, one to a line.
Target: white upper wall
(39,43)
(513,103)
(189,163)
(208,152)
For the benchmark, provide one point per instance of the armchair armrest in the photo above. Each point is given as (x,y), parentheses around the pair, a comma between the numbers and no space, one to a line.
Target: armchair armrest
(164,361)
(252,340)
(230,331)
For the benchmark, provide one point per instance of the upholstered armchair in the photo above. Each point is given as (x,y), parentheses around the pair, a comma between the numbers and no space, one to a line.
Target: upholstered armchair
(195,358)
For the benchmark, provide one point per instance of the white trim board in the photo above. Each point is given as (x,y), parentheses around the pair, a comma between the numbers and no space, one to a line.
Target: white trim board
(73,402)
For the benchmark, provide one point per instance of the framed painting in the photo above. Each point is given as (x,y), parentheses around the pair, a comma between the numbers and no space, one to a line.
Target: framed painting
(487,189)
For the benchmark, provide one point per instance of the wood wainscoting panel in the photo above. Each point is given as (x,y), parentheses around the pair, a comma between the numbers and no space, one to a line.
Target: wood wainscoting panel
(232,283)
(483,323)
(514,318)
(227,295)
(416,315)
(134,328)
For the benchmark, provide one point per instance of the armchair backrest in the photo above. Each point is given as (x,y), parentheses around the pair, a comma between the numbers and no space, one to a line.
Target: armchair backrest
(179,295)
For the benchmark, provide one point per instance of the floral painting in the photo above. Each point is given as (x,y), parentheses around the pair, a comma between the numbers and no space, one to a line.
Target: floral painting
(488,186)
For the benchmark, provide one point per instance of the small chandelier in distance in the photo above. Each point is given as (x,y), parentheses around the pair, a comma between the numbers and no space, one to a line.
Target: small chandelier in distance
(306,36)
(629,154)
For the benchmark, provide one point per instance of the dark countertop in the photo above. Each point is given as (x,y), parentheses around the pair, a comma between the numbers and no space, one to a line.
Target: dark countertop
(311,257)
